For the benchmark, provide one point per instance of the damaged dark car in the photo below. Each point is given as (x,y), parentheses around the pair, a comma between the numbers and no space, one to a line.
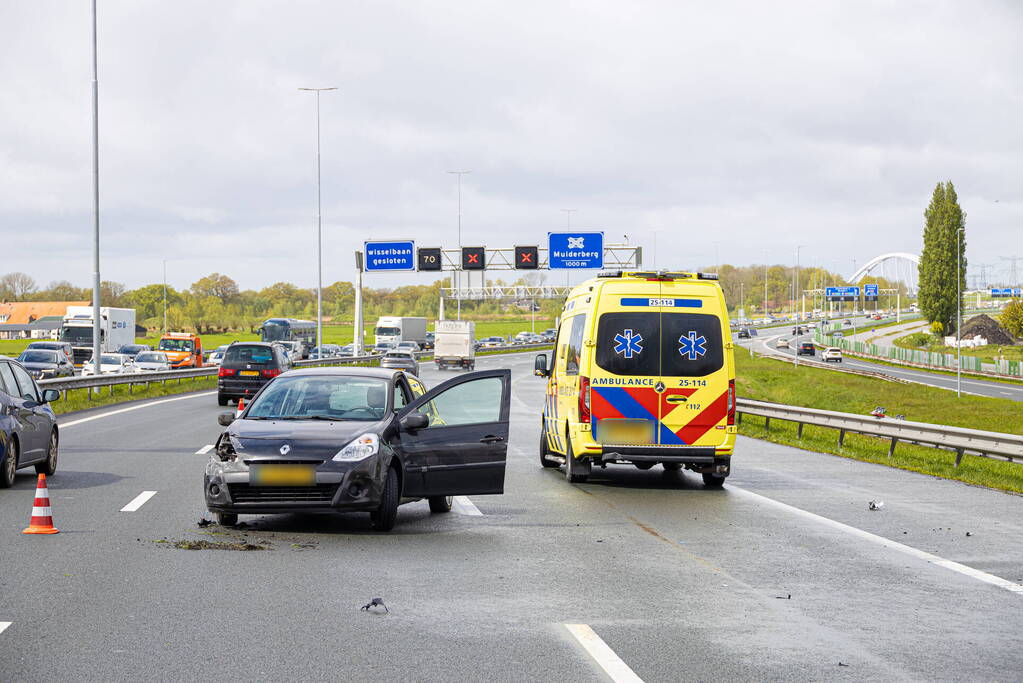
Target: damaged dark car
(360,439)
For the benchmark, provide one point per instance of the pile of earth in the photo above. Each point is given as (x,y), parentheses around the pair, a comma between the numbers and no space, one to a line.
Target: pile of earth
(987,327)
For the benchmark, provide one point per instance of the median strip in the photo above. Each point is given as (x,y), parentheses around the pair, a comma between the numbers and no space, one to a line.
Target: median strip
(887,543)
(595,647)
(463,506)
(138,501)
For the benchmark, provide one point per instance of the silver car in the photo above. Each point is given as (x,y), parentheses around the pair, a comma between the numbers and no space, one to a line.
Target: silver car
(400,360)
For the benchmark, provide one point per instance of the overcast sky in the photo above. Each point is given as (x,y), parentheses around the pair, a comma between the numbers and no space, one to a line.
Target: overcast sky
(728,128)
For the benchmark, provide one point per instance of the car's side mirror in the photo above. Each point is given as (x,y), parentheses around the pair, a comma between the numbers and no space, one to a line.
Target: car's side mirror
(50,395)
(540,366)
(225,419)
(414,421)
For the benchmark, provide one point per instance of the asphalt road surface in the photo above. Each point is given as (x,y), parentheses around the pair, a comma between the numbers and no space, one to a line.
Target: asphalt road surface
(971,385)
(783,575)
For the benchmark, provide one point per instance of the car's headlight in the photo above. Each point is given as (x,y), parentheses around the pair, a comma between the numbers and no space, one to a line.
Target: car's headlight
(359,448)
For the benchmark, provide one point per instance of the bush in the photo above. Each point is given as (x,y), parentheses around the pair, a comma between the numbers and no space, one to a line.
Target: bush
(920,339)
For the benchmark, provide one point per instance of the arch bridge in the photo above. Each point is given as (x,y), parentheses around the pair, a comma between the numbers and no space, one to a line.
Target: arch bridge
(896,266)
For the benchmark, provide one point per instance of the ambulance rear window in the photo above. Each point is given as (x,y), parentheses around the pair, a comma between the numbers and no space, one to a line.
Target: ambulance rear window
(665,344)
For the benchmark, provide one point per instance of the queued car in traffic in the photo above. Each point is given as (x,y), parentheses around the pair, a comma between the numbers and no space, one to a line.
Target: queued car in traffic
(63,347)
(182,348)
(216,356)
(247,366)
(400,359)
(783,344)
(549,335)
(28,427)
(46,363)
(110,364)
(491,342)
(360,439)
(132,350)
(429,340)
(410,346)
(832,353)
(152,361)
(806,349)
(381,348)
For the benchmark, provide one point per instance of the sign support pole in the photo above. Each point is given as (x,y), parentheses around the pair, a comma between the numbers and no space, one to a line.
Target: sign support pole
(357,340)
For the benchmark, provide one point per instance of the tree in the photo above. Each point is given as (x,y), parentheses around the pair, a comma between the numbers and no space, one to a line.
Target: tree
(215,284)
(111,294)
(944,243)
(1012,318)
(16,286)
(62,290)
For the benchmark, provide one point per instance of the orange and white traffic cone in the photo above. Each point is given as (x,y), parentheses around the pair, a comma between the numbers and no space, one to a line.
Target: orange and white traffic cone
(241,407)
(42,516)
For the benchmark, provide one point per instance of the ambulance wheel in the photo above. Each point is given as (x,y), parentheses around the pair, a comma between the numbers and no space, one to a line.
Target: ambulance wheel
(576,471)
(713,481)
(545,451)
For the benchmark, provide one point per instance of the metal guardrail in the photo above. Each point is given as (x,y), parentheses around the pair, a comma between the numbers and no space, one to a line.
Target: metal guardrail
(961,440)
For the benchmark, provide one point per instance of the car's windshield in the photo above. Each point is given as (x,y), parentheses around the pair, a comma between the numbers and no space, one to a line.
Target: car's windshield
(38,356)
(321,397)
(77,336)
(109,360)
(175,345)
(151,357)
(249,354)
(388,331)
(399,355)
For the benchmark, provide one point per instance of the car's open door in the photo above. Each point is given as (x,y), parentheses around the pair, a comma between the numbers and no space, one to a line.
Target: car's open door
(463,439)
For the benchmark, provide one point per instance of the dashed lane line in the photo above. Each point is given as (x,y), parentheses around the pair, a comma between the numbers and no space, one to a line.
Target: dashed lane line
(463,506)
(72,423)
(887,543)
(205,449)
(611,663)
(4,625)
(138,501)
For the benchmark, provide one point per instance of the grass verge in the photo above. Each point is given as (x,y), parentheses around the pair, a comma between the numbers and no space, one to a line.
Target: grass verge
(78,399)
(768,380)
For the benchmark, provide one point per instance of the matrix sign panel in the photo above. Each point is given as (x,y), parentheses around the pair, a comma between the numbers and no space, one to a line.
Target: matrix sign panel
(390,255)
(527,258)
(1006,292)
(429,258)
(575,250)
(473,258)
(870,292)
(841,293)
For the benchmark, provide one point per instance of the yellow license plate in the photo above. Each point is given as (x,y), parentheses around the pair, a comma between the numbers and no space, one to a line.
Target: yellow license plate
(249,373)
(626,432)
(282,475)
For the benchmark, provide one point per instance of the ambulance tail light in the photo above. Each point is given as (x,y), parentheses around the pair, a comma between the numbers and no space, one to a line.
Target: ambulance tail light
(731,401)
(584,399)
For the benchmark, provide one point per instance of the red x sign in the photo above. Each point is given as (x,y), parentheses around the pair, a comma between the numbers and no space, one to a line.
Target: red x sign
(526,257)
(474,258)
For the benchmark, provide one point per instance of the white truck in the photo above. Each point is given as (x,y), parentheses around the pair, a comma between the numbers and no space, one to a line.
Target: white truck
(116,328)
(394,330)
(454,345)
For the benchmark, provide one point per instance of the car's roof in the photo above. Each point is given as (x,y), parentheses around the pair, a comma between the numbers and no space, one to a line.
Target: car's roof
(383,373)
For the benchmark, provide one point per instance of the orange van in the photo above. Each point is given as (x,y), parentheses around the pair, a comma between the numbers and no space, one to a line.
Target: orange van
(183,349)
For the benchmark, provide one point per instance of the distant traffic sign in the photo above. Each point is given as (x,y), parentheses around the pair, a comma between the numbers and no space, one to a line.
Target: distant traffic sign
(575,250)
(527,258)
(428,258)
(473,258)
(841,293)
(1006,292)
(870,292)
(390,255)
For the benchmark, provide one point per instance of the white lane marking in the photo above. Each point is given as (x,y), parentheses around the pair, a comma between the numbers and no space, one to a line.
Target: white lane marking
(887,543)
(64,425)
(464,506)
(138,501)
(205,449)
(612,664)
(4,625)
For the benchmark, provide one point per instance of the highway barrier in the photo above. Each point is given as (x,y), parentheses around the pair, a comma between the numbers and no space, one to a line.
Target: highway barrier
(961,440)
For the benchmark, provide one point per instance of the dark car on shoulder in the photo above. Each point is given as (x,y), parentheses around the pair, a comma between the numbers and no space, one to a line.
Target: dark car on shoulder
(28,427)
(360,439)
(46,364)
(246,367)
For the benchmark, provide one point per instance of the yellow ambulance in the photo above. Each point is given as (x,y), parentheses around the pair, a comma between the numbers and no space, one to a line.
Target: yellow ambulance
(642,373)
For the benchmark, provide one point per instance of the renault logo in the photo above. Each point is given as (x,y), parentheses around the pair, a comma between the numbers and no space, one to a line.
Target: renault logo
(285,449)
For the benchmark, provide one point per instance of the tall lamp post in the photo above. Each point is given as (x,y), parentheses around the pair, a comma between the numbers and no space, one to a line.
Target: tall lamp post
(319,228)
(959,313)
(95,201)
(165,296)
(458,273)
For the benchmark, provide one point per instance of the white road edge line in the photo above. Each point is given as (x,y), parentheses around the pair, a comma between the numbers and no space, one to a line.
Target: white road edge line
(4,625)
(138,501)
(612,664)
(464,506)
(205,449)
(72,423)
(887,543)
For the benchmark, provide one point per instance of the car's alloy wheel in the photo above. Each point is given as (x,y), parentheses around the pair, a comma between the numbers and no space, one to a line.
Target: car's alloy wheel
(49,466)
(10,465)
(384,518)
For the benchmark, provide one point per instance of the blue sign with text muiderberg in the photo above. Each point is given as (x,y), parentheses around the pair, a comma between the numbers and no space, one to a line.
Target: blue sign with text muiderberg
(575,250)
(397,255)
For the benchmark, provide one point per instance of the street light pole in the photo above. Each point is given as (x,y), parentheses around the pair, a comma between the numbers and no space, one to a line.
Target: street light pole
(458,273)
(95,202)
(319,229)
(165,296)
(959,314)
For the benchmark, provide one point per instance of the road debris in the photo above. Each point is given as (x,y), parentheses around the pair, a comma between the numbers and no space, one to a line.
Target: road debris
(784,597)
(968,533)
(216,545)
(875,505)
(375,602)
(842,664)
(203,523)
